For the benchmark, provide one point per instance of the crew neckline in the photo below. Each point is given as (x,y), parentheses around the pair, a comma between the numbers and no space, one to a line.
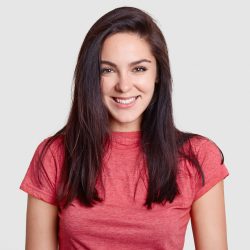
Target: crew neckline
(125,139)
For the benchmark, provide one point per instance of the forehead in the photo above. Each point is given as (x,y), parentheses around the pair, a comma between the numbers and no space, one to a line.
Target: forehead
(129,46)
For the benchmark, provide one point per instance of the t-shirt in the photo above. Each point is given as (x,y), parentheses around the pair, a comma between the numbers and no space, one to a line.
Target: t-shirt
(121,221)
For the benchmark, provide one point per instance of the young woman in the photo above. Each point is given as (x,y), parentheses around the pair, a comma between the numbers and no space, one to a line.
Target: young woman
(119,174)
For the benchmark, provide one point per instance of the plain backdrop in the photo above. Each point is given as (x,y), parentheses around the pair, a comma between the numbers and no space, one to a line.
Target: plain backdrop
(208,44)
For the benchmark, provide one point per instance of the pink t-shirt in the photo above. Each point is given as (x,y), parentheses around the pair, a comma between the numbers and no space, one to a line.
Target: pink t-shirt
(121,221)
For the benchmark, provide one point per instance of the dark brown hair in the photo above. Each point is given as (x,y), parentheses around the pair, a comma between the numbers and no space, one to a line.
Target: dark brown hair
(87,129)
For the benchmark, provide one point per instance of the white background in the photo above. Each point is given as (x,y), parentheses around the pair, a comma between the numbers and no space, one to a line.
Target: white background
(209,52)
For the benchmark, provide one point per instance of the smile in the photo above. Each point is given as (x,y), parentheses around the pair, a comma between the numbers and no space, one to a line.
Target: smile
(125,100)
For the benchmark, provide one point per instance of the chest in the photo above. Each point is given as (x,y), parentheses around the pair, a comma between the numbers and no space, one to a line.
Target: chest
(122,219)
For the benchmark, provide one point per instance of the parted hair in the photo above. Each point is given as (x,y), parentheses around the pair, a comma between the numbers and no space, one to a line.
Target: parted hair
(87,131)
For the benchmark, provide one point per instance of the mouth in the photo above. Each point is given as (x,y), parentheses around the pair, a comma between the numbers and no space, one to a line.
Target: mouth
(125,101)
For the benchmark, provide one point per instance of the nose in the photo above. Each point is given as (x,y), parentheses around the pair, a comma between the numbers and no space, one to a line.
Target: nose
(124,83)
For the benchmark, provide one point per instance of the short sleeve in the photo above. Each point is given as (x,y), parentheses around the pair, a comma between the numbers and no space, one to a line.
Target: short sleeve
(41,177)
(213,167)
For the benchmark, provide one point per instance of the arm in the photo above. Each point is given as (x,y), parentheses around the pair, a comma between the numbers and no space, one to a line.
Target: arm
(41,225)
(209,220)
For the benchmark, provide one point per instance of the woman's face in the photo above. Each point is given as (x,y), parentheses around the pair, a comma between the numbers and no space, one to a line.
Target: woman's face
(128,76)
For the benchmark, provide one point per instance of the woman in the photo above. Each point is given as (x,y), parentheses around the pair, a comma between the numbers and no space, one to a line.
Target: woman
(119,174)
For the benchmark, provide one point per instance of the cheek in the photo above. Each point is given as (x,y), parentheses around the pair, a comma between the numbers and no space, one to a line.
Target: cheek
(147,86)
(104,87)
(107,84)
(147,82)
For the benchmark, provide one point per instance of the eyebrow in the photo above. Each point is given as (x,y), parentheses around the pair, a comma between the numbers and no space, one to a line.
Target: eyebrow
(131,64)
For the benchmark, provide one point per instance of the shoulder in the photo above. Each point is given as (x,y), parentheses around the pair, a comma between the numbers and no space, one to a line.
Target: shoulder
(207,155)
(51,146)
(202,151)
(49,155)
(205,148)
(42,177)
(201,145)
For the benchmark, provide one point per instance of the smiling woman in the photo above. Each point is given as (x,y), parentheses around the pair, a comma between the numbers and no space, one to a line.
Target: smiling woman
(119,174)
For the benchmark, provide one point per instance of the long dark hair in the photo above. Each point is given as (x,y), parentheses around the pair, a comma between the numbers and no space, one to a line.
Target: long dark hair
(87,129)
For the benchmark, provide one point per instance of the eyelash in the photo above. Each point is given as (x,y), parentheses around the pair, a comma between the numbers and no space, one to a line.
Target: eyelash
(108,70)
(105,70)
(142,69)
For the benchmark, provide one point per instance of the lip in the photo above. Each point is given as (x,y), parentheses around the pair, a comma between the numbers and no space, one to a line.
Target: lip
(124,98)
(123,106)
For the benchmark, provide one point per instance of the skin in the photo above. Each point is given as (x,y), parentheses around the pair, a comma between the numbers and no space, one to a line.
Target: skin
(128,69)
(122,77)
(208,220)
(41,225)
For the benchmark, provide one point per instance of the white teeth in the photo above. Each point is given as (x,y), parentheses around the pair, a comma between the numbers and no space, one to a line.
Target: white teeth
(125,101)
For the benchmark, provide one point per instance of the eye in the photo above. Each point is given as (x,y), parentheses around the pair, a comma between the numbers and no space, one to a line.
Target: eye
(140,69)
(106,70)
